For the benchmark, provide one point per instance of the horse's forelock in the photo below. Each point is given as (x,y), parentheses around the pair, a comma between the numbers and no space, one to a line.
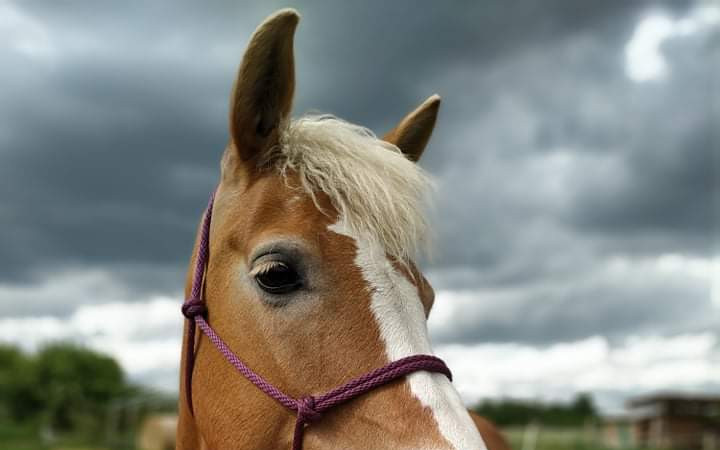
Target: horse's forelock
(377,191)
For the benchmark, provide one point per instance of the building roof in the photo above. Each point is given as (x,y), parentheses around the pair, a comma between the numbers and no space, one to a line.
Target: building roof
(660,397)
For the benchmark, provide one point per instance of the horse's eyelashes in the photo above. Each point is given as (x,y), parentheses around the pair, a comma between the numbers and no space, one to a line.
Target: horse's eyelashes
(267,267)
(277,277)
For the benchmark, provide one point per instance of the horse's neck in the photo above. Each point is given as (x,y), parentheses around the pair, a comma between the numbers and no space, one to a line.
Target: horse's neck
(188,436)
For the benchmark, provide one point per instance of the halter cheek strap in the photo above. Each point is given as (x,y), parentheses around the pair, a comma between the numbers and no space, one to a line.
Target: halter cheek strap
(308,409)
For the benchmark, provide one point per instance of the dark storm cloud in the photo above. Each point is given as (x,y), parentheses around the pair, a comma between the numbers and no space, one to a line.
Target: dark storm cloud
(672,155)
(573,155)
(576,165)
(371,64)
(548,157)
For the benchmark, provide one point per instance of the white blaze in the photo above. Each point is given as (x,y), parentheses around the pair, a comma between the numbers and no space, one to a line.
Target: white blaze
(399,313)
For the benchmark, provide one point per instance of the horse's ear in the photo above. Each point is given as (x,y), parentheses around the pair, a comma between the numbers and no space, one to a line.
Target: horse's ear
(263,93)
(412,134)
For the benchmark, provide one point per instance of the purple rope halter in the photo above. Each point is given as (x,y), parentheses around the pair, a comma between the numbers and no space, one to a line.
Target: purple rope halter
(307,409)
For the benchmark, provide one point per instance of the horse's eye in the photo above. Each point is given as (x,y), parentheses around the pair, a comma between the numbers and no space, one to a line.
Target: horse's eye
(278,278)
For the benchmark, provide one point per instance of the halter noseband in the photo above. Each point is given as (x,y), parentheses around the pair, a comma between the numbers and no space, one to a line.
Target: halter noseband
(307,409)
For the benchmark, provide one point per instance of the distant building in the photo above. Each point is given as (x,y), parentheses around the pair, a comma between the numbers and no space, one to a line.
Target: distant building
(667,421)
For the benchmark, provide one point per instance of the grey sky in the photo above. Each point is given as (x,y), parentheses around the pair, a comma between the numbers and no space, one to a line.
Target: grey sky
(575,201)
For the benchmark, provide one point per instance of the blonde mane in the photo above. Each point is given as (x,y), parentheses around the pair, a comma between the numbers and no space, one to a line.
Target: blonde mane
(378,193)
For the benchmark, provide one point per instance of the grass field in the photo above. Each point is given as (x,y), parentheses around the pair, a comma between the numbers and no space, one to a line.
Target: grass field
(27,437)
(556,439)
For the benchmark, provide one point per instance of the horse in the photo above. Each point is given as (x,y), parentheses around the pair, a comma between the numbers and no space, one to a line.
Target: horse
(157,432)
(306,277)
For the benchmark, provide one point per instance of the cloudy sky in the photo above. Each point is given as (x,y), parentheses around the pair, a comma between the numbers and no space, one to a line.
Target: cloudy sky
(576,156)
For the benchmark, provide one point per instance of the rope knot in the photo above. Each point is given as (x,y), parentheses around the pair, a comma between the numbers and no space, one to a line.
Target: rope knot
(194,307)
(306,412)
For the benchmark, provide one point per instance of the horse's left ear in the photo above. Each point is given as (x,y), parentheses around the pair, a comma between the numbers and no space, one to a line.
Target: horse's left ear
(263,93)
(412,134)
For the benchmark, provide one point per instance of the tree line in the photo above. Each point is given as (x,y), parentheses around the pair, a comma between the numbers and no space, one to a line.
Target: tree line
(508,412)
(63,387)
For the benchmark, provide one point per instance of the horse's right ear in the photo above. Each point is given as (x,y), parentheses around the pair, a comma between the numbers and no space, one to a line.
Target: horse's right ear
(412,134)
(263,93)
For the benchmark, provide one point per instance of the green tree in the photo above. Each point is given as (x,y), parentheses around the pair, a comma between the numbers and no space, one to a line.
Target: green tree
(520,412)
(583,405)
(19,399)
(76,385)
